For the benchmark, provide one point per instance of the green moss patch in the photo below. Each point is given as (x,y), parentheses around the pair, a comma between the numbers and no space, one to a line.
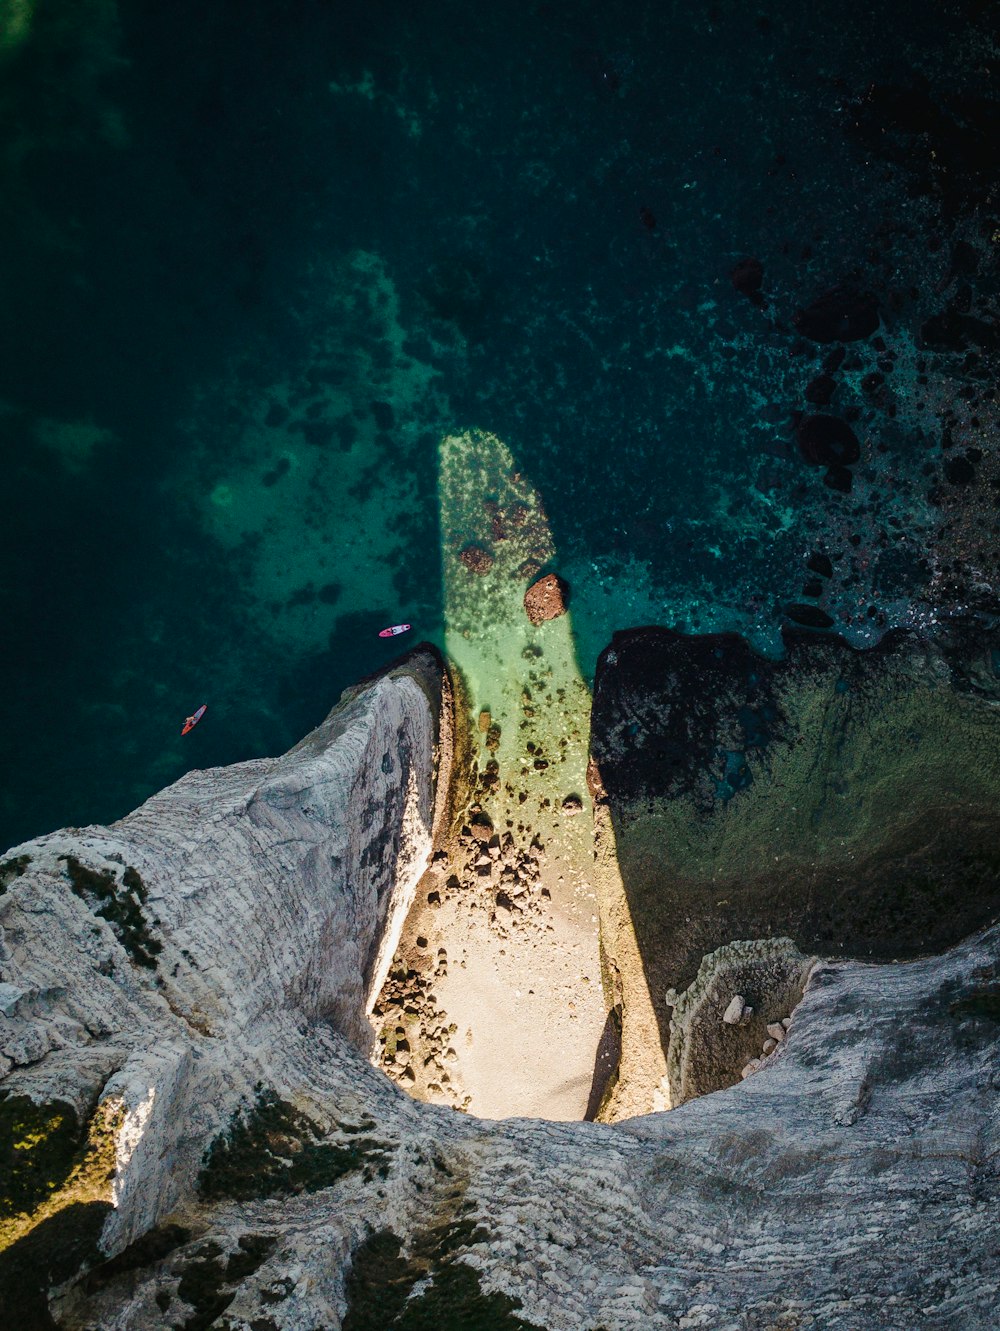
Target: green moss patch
(11,869)
(277,1150)
(121,905)
(380,1286)
(56,1194)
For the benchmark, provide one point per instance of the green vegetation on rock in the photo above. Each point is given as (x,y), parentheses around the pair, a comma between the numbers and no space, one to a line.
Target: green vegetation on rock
(39,1146)
(11,869)
(121,905)
(57,1180)
(380,1286)
(276,1149)
(208,1286)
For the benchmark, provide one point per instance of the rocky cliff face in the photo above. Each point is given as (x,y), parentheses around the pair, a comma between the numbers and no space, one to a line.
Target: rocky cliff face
(193,1135)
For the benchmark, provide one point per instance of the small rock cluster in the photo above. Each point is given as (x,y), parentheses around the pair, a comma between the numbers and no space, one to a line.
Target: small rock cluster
(408,1010)
(496,862)
(476,559)
(739,1013)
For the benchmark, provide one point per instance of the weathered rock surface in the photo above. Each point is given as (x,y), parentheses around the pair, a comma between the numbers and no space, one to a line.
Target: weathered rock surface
(545,599)
(262,1174)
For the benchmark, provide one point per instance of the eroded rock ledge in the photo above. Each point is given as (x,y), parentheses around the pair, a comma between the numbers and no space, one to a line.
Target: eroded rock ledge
(214,1148)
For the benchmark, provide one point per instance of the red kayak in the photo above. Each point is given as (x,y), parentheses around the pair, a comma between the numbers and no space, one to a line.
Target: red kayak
(191,721)
(394,631)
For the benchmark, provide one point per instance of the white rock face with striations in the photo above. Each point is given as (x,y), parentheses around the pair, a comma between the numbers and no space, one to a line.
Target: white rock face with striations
(266,886)
(852,1182)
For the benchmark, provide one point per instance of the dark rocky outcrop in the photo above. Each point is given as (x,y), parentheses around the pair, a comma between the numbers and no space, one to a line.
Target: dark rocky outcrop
(827,441)
(845,798)
(839,315)
(747,278)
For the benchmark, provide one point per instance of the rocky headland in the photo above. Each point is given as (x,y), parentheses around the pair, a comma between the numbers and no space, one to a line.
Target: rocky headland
(796,886)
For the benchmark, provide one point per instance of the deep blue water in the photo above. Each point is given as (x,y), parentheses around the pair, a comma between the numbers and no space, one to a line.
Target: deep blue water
(257,258)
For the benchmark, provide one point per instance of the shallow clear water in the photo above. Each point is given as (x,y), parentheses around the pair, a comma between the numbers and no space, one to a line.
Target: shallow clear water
(258,259)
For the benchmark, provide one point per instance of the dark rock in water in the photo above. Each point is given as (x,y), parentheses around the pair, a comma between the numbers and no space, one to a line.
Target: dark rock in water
(809,616)
(959,471)
(964,260)
(827,441)
(839,315)
(747,278)
(954,331)
(840,479)
(820,563)
(385,417)
(813,588)
(820,390)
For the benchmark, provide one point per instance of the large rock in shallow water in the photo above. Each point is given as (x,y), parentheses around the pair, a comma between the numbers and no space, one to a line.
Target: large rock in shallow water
(545,599)
(827,441)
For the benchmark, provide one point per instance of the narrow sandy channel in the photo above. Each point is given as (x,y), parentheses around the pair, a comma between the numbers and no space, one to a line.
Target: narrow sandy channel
(494,1001)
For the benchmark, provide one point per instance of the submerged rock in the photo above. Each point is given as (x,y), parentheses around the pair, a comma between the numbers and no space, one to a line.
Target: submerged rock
(810,616)
(839,315)
(827,441)
(476,559)
(747,278)
(820,390)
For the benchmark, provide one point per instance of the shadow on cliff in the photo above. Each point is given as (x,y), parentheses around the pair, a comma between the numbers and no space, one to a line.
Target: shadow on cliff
(49,1255)
(846,799)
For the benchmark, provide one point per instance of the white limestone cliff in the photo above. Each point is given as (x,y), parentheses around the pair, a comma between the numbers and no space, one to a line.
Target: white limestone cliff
(851,1183)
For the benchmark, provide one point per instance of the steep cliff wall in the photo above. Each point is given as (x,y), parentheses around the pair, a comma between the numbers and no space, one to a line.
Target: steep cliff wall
(169,963)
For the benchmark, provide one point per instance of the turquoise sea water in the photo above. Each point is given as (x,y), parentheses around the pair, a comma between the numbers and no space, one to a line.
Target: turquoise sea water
(258,258)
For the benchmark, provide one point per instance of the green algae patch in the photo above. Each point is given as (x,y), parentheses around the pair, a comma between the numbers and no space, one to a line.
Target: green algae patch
(277,1150)
(50,1162)
(121,905)
(381,1286)
(843,798)
(11,869)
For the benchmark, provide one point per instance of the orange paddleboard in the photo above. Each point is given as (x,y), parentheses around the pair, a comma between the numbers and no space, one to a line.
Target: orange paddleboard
(191,721)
